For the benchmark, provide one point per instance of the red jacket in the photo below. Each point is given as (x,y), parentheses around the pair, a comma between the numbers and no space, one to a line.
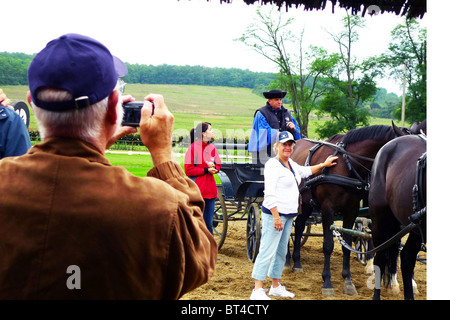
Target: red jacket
(196,167)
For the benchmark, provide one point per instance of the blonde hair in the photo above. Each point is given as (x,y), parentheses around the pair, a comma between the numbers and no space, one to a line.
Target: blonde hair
(275,147)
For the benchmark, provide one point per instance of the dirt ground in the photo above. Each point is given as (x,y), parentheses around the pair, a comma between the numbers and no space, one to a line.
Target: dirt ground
(232,279)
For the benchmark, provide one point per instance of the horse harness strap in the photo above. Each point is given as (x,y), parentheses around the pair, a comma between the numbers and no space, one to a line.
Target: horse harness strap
(357,183)
(418,199)
(419,205)
(335,179)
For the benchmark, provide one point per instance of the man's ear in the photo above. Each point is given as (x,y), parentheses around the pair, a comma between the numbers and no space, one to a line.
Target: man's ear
(113,99)
(29,98)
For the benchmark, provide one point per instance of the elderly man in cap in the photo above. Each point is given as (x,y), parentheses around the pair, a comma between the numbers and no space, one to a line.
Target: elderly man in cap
(73,226)
(267,122)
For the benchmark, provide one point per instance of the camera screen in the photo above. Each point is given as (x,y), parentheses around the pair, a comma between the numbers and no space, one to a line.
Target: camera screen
(132,113)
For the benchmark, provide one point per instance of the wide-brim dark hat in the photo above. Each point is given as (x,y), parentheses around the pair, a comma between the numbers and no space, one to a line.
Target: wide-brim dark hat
(273,94)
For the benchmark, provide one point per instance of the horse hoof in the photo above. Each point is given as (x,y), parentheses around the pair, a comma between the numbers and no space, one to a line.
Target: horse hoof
(286,268)
(350,289)
(369,269)
(295,270)
(393,290)
(328,291)
(415,289)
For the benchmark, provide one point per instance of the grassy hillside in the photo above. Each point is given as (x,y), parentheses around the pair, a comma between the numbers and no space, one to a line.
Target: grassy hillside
(230,110)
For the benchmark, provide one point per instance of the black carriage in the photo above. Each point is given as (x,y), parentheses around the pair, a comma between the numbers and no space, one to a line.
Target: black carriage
(240,195)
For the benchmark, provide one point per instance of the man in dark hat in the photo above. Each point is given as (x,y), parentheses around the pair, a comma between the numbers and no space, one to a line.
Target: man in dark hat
(267,122)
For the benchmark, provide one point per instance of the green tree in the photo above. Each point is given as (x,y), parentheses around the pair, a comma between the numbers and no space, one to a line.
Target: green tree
(351,84)
(408,50)
(299,75)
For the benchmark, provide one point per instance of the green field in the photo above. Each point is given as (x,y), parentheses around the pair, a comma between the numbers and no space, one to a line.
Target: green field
(230,110)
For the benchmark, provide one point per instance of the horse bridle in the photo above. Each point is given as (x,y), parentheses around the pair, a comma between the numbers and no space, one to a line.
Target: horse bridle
(358,183)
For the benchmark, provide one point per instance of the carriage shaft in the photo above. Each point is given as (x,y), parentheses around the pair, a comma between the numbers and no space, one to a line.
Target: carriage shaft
(354,233)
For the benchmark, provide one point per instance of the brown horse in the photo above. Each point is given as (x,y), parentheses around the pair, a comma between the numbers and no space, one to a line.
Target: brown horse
(339,189)
(397,193)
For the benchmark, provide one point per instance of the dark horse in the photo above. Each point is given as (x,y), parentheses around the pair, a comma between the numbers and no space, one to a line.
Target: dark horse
(398,198)
(339,189)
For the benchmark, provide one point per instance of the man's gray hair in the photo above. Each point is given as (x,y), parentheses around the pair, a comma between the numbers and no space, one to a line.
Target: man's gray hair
(84,124)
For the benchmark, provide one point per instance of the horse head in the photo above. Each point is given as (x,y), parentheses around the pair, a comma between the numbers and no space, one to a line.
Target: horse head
(418,128)
(400,131)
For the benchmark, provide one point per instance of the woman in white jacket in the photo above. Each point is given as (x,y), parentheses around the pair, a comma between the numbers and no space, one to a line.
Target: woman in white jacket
(282,177)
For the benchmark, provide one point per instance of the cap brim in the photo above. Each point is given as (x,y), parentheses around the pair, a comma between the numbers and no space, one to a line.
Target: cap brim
(286,140)
(120,67)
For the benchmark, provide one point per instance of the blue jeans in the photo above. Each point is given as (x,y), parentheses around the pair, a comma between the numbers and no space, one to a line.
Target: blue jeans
(273,248)
(208,213)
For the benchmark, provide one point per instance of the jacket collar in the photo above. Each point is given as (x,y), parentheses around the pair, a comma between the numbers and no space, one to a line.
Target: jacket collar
(71,148)
(272,109)
(200,142)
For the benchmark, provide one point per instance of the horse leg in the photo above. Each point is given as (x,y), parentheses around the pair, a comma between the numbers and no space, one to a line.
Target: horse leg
(300,223)
(287,263)
(368,269)
(408,262)
(390,277)
(348,222)
(328,246)
(380,262)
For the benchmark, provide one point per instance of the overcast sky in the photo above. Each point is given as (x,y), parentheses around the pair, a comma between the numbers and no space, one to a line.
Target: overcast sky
(195,32)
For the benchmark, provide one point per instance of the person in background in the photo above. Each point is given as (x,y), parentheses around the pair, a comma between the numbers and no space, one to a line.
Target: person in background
(73,226)
(267,122)
(201,162)
(282,176)
(14,136)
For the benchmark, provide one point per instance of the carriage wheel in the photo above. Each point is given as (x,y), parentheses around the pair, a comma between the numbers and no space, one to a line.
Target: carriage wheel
(305,234)
(220,221)
(361,245)
(253,231)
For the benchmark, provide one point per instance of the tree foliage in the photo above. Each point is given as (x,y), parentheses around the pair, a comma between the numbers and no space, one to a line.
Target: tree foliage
(301,75)
(14,66)
(351,84)
(407,57)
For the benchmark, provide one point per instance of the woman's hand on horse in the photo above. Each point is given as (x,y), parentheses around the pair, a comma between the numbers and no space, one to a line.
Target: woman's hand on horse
(329,161)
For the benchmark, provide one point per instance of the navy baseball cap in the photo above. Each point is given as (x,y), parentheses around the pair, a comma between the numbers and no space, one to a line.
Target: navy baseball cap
(76,63)
(285,136)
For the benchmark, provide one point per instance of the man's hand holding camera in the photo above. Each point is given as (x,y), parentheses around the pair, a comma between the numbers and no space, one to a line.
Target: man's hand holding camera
(156,128)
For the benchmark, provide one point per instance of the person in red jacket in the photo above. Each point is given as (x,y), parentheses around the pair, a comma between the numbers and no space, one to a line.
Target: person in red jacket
(201,162)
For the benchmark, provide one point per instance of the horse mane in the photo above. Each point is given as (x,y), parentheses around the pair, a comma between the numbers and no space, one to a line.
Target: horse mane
(334,139)
(376,132)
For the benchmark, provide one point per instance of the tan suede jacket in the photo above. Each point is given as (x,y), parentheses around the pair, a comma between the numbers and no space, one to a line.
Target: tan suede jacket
(72,226)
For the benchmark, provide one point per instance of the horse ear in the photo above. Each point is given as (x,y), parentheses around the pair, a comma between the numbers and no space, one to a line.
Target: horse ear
(398,131)
(414,127)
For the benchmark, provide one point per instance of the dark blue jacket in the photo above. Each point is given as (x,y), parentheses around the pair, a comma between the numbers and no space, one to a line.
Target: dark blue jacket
(14,136)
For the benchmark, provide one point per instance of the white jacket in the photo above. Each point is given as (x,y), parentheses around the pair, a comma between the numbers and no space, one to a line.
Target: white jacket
(281,187)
